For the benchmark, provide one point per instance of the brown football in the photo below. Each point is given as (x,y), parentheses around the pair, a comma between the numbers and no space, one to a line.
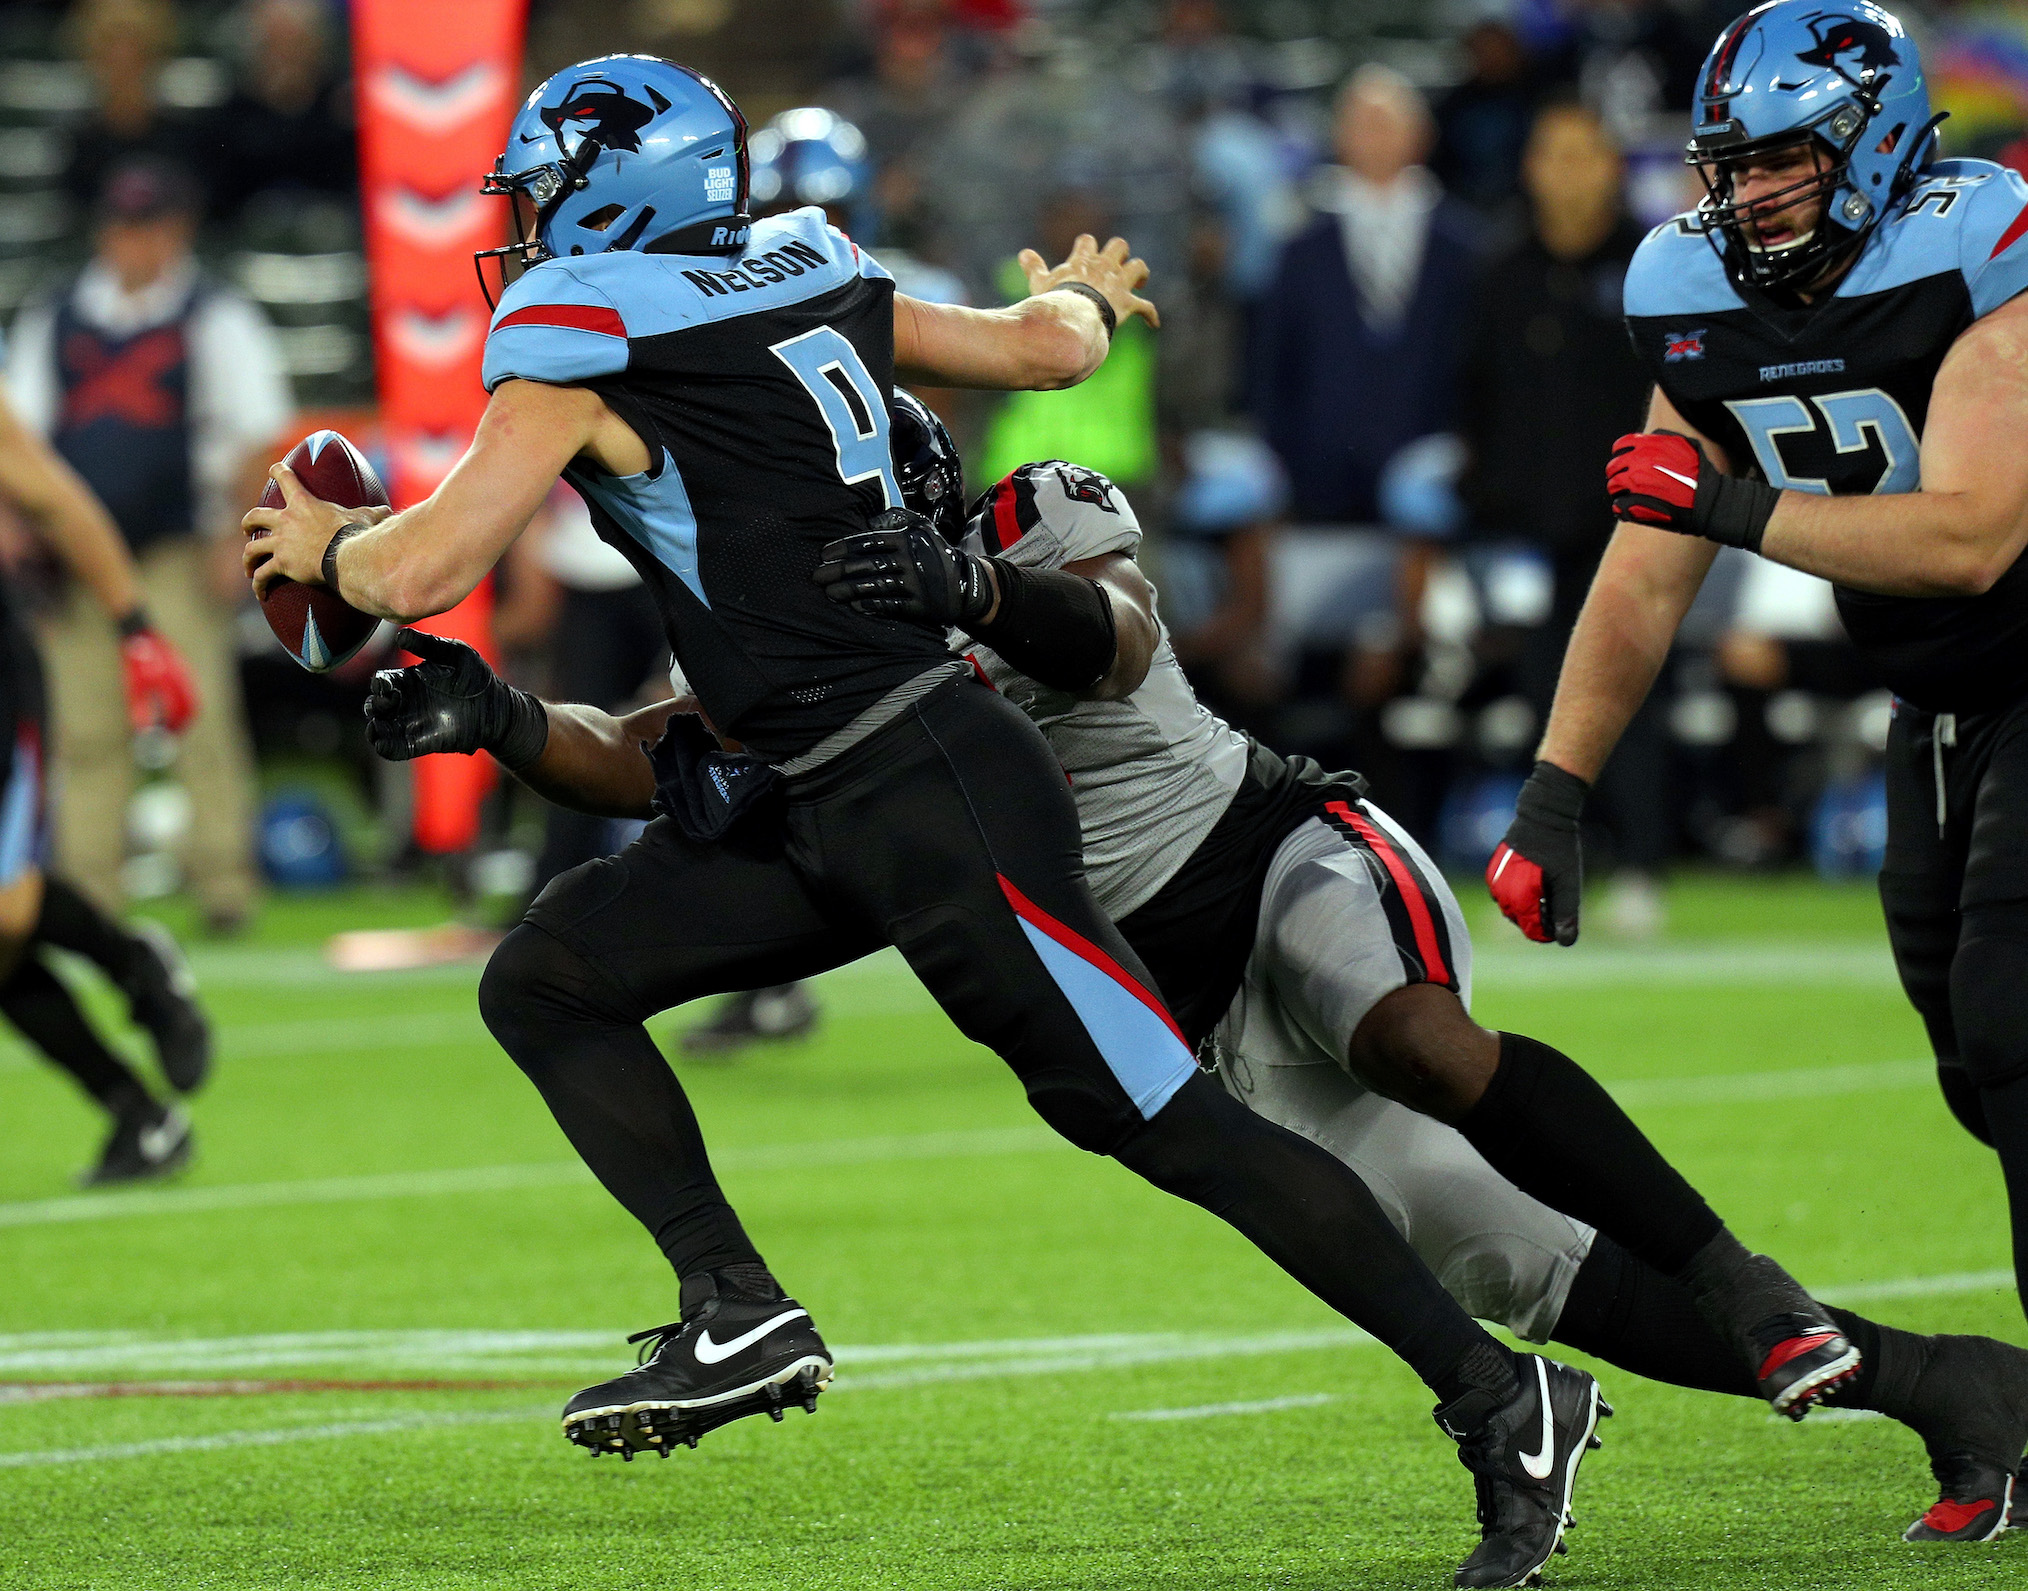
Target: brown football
(319,629)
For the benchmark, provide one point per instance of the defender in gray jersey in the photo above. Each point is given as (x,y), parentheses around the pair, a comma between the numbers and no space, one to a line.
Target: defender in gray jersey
(1153,773)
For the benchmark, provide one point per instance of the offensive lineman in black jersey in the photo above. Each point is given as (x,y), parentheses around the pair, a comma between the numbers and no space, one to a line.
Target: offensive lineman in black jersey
(1840,350)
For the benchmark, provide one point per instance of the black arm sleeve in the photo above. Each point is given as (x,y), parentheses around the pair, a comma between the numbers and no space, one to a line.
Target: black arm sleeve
(1053,626)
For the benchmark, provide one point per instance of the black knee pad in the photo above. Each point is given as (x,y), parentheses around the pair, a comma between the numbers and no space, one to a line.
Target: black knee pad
(533,981)
(1989,993)
(1923,928)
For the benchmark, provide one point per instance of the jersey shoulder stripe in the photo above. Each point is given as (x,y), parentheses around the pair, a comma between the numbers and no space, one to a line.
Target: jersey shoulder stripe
(575,319)
(1052,513)
(571,317)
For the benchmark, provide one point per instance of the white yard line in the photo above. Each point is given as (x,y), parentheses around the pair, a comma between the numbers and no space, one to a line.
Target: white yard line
(1207,1411)
(268,1438)
(913,1364)
(500,1179)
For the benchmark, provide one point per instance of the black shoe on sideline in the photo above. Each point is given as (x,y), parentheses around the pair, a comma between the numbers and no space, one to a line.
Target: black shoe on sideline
(162,997)
(1970,1407)
(731,1355)
(146,1143)
(1523,1456)
(760,1016)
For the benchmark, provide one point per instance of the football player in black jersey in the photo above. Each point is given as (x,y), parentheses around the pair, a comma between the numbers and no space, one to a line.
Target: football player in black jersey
(717,389)
(1839,343)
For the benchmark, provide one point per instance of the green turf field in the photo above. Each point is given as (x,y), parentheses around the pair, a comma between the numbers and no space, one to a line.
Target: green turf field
(1049,1375)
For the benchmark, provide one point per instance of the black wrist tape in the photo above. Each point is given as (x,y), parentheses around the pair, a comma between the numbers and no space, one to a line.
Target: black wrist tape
(521,729)
(1054,627)
(1552,794)
(1737,509)
(133,623)
(1105,308)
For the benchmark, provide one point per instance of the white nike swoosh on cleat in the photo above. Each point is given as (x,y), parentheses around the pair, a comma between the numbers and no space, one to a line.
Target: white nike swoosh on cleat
(1539,1464)
(159,1141)
(1688,480)
(710,1353)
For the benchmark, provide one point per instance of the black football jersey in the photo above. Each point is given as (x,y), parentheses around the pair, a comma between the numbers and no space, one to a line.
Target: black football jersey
(760,386)
(1832,397)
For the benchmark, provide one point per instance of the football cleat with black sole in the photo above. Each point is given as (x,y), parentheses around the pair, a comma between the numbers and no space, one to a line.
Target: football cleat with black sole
(1800,1359)
(732,1355)
(146,1143)
(162,997)
(1977,1501)
(1523,1455)
(1969,1405)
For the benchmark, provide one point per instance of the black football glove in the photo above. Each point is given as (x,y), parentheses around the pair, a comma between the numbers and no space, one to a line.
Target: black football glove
(451,701)
(902,569)
(1537,872)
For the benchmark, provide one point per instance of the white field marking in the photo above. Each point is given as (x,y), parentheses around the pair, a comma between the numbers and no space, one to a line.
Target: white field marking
(501,1179)
(163,1446)
(78,1354)
(1207,1411)
(1921,1286)
(1819,1416)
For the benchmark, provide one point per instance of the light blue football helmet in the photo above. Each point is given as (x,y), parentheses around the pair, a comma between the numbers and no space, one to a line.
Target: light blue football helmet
(1788,72)
(811,156)
(622,152)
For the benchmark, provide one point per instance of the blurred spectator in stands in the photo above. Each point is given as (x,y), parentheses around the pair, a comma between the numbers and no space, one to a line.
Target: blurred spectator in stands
(288,126)
(1106,423)
(165,391)
(1549,383)
(1358,340)
(1359,336)
(124,44)
(1483,121)
(900,107)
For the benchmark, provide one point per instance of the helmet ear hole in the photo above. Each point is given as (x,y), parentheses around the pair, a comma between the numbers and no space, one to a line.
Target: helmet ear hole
(599,220)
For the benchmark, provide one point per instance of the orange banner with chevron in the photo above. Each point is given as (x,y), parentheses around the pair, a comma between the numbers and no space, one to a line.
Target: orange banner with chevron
(437,85)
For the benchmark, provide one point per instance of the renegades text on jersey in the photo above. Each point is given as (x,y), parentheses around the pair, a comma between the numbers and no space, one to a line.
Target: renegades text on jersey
(770,441)
(1832,396)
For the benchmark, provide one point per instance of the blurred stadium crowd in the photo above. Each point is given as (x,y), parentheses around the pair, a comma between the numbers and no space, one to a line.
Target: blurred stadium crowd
(1387,240)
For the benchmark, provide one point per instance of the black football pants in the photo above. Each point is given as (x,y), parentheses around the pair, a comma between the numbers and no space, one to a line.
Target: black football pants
(950,834)
(1955,890)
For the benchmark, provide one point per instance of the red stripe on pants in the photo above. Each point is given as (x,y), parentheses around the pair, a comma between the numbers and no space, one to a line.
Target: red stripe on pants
(1420,917)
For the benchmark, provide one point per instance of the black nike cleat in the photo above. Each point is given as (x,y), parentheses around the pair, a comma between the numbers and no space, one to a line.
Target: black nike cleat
(1970,1407)
(1523,1456)
(162,997)
(760,1016)
(1975,1506)
(731,1355)
(1801,1358)
(147,1142)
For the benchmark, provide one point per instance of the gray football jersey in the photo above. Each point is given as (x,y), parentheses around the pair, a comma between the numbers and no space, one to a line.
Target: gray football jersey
(1153,773)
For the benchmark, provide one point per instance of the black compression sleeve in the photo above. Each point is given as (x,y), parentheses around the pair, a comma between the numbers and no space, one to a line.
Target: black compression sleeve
(1054,626)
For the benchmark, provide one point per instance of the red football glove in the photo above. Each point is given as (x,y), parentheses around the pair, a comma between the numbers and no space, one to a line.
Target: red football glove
(159,690)
(1662,478)
(1536,875)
